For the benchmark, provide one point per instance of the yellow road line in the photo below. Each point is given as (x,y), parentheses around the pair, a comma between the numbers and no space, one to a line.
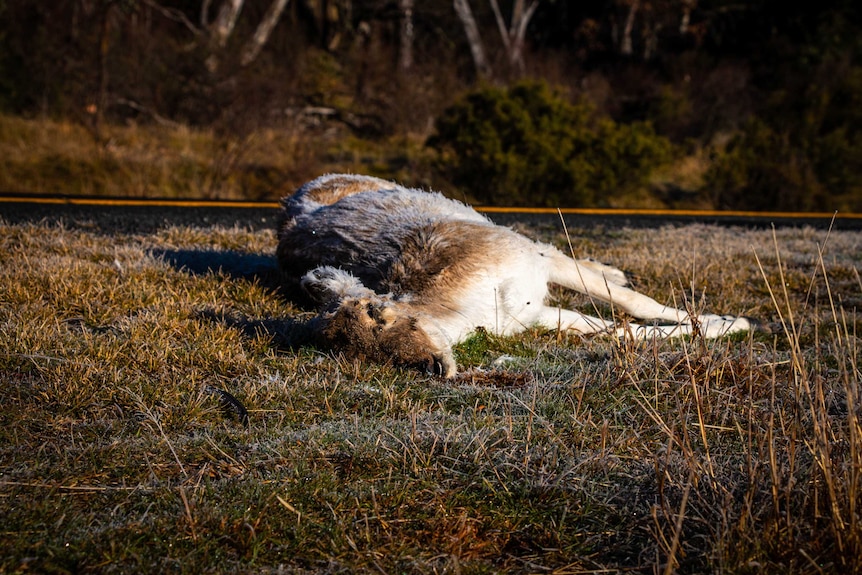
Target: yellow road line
(661,212)
(138,203)
(485,209)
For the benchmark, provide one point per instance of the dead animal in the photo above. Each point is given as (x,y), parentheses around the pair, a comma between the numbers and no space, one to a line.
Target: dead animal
(401,275)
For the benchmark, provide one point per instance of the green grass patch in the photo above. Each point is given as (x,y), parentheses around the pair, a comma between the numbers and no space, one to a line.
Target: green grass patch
(551,452)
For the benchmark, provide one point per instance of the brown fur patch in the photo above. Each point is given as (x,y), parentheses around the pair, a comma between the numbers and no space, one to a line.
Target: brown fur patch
(343,186)
(361,329)
(437,254)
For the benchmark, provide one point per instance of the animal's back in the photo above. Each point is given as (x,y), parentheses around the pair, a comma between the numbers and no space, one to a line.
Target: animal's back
(359,223)
(354,192)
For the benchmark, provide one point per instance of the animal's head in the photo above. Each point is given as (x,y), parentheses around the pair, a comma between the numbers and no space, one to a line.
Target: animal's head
(383,330)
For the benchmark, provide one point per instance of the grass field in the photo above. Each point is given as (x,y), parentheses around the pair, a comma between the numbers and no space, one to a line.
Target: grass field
(551,453)
(42,156)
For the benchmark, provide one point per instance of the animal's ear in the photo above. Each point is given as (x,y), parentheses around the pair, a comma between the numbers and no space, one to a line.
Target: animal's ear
(325,284)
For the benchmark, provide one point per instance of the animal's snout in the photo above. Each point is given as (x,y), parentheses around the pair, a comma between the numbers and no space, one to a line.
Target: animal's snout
(425,360)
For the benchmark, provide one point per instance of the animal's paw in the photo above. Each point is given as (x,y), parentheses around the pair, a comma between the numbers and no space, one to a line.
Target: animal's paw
(326,283)
(720,325)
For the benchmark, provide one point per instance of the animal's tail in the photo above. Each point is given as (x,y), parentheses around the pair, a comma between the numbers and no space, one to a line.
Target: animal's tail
(328,189)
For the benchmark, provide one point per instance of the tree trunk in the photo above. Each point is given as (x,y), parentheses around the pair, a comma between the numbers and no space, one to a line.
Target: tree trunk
(224,24)
(626,42)
(253,47)
(520,20)
(405,55)
(221,29)
(477,49)
(651,41)
(685,21)
(205,14)
(513,37)
(104,51)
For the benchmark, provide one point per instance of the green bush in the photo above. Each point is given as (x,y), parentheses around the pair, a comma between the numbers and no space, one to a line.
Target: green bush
(765,168)
(802,152)
(760,170)
(528,145)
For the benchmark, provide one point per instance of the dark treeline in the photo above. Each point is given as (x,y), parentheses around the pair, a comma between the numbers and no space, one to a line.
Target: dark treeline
(769,92)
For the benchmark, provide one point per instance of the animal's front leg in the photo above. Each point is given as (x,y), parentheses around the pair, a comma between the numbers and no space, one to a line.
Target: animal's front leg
(326,283)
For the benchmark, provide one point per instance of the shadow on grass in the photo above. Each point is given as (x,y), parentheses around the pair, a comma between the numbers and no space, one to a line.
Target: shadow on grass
(234,264)
(286,333)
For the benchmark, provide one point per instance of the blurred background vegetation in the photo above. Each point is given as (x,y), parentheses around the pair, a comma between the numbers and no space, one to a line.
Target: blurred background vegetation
(748,104)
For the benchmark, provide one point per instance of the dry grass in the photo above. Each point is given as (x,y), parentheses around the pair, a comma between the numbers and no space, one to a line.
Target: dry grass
(42,156)
(552,453)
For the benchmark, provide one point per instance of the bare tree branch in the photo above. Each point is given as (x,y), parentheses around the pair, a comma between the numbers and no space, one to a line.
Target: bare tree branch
(520,21)
(224,24)
(405,55)
(513,37)
(501,25)
(477,49)
(138,107)
(205,14)
(173,14)
(253,47)
(626,42)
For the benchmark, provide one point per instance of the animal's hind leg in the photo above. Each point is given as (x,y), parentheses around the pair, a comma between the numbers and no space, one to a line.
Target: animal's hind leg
(584,279)
(564,319)
(579,277)
(708,325)
(326,283)
(610,273)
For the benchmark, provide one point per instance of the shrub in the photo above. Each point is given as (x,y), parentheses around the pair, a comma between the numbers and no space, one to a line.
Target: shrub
(759,170)
(528,145)
(802,152)
(765,168)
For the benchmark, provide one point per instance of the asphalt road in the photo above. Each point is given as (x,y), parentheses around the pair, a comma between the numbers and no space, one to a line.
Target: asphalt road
(140,218)
(147,216)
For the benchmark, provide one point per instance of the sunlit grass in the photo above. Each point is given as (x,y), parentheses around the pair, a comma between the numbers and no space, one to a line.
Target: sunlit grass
(44,156)
(550,452)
